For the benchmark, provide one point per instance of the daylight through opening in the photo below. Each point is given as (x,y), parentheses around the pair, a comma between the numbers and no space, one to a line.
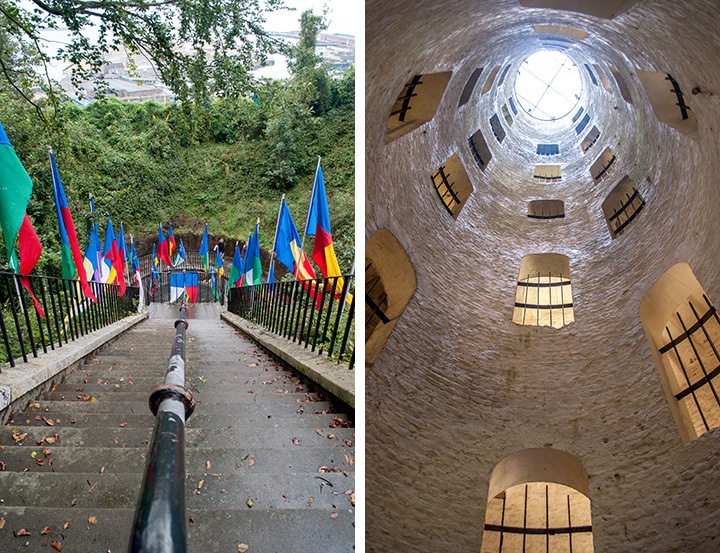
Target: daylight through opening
(548,85)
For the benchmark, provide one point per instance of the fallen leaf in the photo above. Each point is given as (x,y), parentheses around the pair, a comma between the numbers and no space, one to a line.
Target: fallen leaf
(52,440)
(92,519)
(66,525)
(320,432)
(200,484)
(334,515)
(310,501)
(123,424)
(296,441)
(45,530)
(46,452)
(40,462)
(332,437)
(56,545)
(22,532)
(191,519)
(2,465)
(54,387)
(74,502)
(352,499)
(207,465)
(325,469)
(33,454)
(348,443)
(49,422)
(19,437)
(2,523)
(245,456)
(102,469)
(242,547)
(250,502)
(350,460)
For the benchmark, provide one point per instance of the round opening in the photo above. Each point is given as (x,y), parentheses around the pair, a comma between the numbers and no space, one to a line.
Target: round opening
(548,85)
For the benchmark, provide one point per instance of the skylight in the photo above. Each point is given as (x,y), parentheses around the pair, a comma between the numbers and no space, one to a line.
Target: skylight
(547,85)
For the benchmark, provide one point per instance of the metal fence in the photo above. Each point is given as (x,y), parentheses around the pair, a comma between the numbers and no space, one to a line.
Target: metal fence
(68,313)
(318,314)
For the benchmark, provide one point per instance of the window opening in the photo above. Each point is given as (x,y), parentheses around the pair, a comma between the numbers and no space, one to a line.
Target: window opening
(490,79)
(506,114)
(668,102)
(501,80)
(546,209)
(416,104)
(548,149)
(590,140)
(480,151)
(560,30)
(469,86)
(512,105)
(577,115)
(622,206)
(622,85)
(452,185)
(603,78)
(544,294)
(547,173)
(592,75)
(582,124)
(603,165)
(497,128)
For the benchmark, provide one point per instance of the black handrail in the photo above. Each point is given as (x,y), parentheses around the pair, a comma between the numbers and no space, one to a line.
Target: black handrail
(317,314)
(68,313)
(159,525)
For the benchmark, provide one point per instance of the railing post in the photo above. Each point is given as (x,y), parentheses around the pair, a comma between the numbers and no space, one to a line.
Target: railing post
(160,519)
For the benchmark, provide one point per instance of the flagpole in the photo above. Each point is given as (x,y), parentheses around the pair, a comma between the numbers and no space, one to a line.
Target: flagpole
(277,227)
(307,219)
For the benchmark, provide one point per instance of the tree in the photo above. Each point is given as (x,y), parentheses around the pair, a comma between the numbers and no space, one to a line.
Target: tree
(309,74)
(199,47)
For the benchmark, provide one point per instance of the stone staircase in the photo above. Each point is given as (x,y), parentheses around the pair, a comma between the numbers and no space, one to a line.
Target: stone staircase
(269,464)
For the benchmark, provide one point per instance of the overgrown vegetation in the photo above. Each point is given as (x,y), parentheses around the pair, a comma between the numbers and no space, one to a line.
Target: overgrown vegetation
(225,161)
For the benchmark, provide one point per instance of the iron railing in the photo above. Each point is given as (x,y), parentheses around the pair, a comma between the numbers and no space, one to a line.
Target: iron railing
(159,525)
(68,313)
(318,314)
(192,261)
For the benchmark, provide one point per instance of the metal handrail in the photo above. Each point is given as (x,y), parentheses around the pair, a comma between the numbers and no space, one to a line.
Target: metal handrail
(159,525)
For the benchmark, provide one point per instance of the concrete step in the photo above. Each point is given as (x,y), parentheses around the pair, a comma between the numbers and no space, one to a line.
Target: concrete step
(243,393)
(209,531)
(203,490)
(272,434)
(335,457)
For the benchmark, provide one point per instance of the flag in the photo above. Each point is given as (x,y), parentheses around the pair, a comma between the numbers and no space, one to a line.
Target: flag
(318,225)
(219,264)
(204,255)
(92,253)
(123,250)
(72,260)
(252,267)
(112,266)
(162,250)
(236,269)
(155,272)
(287,246)
(135,260)
(15,191)
(180,257)
(183,286)
(271,274)
(172,245)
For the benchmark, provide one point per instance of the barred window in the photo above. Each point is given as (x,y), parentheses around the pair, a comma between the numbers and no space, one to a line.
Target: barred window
(577,115)
(592,75)
(590,140)
(668,102)
(491,79)
(603,77)
(546,209)
(538,501)
(547,173)
(497,128)
(389,284)
(683,327)
(452,185)
(603,165)
(622,85)
(416,104)
(513,107)
(548,149)
(544,295)
(480,150)
(506,114)
(622,206)
(469,86)
(582,124)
